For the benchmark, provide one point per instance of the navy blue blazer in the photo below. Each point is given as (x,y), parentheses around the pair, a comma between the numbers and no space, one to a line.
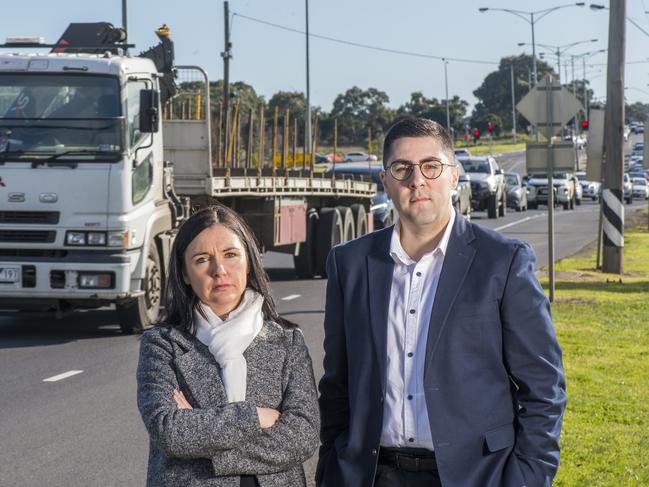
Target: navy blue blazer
(493,380)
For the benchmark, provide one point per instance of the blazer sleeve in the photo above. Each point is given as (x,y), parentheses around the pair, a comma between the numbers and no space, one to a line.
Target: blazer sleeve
(185,433)
(334,396)
(533,359)
(294,437)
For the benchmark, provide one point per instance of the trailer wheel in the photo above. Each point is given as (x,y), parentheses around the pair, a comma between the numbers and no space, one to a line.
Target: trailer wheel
(305,261)
(349,227)
(360,219)
(329,233)
(136,315)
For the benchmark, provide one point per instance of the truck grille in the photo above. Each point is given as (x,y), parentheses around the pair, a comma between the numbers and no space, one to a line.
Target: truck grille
(30,217)
(27,236)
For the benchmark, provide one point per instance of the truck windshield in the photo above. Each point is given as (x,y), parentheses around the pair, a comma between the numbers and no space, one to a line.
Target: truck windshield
(60,116)
(476,166)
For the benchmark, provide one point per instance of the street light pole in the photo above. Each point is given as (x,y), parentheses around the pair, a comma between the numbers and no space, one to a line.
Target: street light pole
(448,111)
(511,70)
(307,135)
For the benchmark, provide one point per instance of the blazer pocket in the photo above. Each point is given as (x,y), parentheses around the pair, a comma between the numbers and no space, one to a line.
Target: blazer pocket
(500,438)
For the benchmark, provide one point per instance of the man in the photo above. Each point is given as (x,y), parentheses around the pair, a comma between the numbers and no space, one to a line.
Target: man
(441,362)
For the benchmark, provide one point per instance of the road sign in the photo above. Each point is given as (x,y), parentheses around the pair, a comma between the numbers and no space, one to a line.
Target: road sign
(552,116)
(536,157)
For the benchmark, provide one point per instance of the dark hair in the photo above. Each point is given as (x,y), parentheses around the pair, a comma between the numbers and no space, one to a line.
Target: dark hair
(417,127)
(180,300)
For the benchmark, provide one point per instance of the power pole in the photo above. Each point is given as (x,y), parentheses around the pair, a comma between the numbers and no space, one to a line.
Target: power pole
(124,16)
(511,68)
(226,55)
(613,209)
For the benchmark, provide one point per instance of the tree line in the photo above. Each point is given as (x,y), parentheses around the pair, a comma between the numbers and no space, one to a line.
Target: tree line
(357,109)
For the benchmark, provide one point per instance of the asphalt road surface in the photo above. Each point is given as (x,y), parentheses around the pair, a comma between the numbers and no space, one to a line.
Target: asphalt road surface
(83,429)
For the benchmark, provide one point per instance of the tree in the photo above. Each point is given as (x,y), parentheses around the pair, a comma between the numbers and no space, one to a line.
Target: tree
(636,112)
(295,101)
(494,94)
(434,109)
(357,110)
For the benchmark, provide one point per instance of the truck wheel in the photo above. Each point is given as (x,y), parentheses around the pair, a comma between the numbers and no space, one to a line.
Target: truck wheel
(502,211)
(136,315)
(304,262)
(347,218)
(329,233)
(492,207)
(360,219)
(566,205)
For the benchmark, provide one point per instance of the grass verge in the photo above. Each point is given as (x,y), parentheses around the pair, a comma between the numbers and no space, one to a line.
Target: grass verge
(603,327)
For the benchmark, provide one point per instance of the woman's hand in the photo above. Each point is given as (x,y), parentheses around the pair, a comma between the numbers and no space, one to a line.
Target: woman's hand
(267,417)
(181,401)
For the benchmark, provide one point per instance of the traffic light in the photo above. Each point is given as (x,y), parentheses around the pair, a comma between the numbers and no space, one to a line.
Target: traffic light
(584,124)
(490,127)
(476,135)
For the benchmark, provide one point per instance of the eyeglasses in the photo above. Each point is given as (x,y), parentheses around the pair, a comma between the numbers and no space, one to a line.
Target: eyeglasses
(430,169)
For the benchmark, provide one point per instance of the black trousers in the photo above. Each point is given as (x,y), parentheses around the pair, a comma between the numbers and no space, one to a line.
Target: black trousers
(391,472)
(248,481)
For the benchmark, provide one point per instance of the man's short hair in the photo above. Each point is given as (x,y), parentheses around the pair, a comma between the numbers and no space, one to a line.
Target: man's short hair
(418,127)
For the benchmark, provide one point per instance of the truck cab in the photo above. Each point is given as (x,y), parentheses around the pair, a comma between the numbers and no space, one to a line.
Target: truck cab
(82,195)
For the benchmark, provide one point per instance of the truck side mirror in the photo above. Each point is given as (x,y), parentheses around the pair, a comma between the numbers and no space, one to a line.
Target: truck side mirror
(149,111)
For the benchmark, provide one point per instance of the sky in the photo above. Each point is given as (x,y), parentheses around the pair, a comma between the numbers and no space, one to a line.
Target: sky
(272,59)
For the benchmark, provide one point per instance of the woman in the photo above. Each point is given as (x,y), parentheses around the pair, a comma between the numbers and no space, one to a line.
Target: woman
(226,392)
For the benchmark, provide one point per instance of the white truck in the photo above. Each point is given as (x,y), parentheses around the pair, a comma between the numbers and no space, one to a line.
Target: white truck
(565,189)
(94,184)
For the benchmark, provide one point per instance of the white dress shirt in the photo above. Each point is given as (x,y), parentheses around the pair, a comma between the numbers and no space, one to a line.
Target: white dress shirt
(414,283)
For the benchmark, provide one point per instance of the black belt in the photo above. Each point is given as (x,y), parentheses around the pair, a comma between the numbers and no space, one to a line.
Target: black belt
(408,459)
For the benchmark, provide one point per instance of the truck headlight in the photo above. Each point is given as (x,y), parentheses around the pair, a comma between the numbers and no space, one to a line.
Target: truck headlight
(96,238)
(118,239)
(75,238)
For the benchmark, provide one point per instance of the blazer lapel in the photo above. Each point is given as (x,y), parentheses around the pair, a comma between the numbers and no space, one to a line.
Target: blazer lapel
(200,371)
(380,268)
(458,258)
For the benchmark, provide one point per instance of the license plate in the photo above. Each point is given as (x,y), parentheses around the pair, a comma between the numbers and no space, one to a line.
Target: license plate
(9,274)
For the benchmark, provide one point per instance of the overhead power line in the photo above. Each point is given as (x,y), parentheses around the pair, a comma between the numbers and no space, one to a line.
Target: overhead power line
(367,46)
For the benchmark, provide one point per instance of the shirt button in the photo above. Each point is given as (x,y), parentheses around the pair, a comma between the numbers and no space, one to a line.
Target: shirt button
(412,311)
(409,354)
(381,399)
(411,440)
(374,452)
(409,397)
(418,274)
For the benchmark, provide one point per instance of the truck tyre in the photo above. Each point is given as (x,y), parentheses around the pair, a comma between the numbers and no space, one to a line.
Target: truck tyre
(138,314)
(347,218)
(328,234)
(360,219)
(502,211)
(304,261)
(566,205)
(492,207)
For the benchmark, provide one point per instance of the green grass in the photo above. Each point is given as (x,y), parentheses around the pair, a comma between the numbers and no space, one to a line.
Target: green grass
(499,145)
(603,328)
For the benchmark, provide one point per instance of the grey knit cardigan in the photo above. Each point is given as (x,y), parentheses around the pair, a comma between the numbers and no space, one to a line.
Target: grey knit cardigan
(216,442)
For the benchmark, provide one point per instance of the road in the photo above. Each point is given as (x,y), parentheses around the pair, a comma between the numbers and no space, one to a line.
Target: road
(84,430)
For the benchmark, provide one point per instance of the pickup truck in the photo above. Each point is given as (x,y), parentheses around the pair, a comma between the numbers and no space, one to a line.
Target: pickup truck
(487,185)
(564,189)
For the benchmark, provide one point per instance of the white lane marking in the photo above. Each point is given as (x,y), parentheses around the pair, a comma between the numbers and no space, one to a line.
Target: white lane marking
(291,297)
(62,376)
(519,221)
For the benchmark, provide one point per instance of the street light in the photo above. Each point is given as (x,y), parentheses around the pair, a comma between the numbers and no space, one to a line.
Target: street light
(540,14)
(558,50)
(594,6)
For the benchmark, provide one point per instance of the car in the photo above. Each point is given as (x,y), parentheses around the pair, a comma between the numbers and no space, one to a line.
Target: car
(640,189)
(381,205)
(358,157)
(565,190)
(320,159)
(590,189)
(627,188)
(462,153)
(638,147)
(462,193)
(516,192)
(487,185)
(634,173)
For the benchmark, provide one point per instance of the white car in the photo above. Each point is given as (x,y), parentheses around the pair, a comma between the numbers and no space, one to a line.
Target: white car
(359,157)
(590,189)
(640,189)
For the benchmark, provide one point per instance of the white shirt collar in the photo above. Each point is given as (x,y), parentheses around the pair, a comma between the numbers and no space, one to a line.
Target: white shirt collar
(401,257)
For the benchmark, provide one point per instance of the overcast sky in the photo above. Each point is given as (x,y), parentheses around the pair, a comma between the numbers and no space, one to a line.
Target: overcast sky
(272,59)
